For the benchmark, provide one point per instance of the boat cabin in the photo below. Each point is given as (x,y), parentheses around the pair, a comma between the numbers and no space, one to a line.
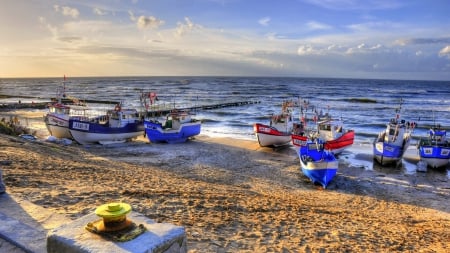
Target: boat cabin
(120,118)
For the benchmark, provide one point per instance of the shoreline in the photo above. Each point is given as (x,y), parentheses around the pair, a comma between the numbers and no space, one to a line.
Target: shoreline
(231,195)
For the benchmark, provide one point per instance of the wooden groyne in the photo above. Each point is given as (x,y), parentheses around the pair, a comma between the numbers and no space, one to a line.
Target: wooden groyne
(43,105)
(159,112)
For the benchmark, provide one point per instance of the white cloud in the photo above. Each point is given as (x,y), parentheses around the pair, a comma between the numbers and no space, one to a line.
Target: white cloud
(151,22)
(99,11)
(264,21)
(67,11)
(305,50)
(183,28)
(445,52)
(313,25)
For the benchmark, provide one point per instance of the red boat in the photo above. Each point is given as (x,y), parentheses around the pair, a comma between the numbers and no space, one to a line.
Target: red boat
(278,133)
(342,142)
(335,136)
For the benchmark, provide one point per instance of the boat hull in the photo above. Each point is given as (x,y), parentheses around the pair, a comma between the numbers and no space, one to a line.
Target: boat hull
(89,133)
(156,133)
(435,156)
(268,136)
(387,154)
(57,126)
(339,144)
(319,166)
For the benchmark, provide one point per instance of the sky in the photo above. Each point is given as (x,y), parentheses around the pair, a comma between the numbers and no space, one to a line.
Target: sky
(377,39)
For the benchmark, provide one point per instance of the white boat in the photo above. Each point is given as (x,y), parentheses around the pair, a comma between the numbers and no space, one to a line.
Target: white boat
(116,126)
(278,132)
(57,117)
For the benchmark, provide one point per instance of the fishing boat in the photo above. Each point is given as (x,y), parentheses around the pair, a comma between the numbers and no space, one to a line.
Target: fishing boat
(434,150)
(279,131)
(336,137)
(174,126)
(116,126)
(390,144)
(317,163)
(332,131)
(177,127)
(57,118)
(60,110)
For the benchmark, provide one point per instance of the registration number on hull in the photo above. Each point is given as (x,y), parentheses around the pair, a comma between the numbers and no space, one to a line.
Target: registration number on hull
(80,126)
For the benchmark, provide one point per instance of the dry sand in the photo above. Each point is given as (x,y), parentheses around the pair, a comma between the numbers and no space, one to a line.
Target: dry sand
(232,196)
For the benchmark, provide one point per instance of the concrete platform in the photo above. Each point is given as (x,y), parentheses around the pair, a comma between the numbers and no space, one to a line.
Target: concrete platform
(24,226)
(159,237)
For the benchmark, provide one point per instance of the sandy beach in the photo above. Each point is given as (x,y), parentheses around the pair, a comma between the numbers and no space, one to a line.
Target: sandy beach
(233,196)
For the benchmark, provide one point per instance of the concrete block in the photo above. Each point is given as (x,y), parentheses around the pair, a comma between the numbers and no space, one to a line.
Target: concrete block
(159,238)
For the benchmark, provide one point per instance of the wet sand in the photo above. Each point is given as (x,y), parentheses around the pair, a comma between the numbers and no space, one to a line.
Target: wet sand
(233,196)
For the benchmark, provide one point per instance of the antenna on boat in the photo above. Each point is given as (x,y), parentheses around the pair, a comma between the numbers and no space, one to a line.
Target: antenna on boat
(64,86)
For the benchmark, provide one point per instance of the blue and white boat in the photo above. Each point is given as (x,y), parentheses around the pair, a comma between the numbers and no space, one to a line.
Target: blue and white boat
(317,163)
(390,144)
(116,126)
(435,149)
(177,127)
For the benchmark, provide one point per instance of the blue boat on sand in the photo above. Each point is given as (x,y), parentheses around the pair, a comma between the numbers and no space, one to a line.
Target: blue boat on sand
(317,163)
(435,149)
(177,127)
(390,144)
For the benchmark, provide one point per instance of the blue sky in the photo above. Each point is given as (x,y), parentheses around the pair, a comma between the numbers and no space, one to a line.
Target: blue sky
(386,39)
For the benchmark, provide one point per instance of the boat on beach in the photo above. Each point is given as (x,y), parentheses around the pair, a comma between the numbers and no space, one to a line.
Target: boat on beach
(174,126)
(57,117)
(317,163)
(177,127)
(336,137)
(434,150)
(278,132)
(116,126)
(390,144)
(332,131)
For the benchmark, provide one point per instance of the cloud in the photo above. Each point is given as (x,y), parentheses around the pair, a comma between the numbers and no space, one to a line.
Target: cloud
(313,25)
(183,28)
(67,11)
(99,11)
(151,22)
(445,52)
(70,39)
(264,21)
(305,50)
(421,41)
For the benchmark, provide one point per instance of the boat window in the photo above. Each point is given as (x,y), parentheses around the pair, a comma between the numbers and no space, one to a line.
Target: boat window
(391,131)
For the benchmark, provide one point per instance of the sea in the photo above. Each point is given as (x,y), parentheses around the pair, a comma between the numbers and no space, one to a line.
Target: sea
(364,105)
